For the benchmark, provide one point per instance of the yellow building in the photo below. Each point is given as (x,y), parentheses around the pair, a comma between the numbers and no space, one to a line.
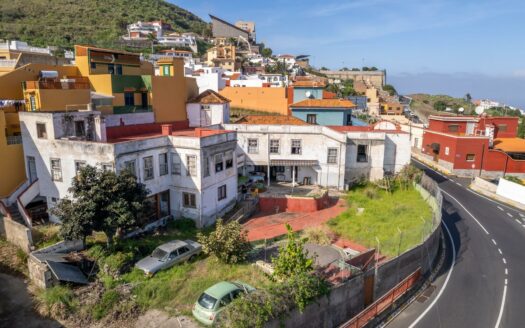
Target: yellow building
(223,56)
(269,100)
(12,172)
(57,94)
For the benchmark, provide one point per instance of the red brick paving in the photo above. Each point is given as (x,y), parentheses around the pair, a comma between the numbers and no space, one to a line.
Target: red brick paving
(268,225)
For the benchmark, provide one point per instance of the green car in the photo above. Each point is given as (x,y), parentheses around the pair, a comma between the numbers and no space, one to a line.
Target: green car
(216,298)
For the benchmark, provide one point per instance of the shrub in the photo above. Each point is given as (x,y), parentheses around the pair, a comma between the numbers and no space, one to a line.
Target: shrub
(116,263)
(57,299)
(514,179)
(319,235)
(371,192)
(183,224)
(228,242)
(292,258)
(108,301)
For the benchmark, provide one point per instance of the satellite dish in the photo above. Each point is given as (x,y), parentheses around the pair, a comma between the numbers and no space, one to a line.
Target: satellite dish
(461,109)
(479,110)
(308,94)
(448,109)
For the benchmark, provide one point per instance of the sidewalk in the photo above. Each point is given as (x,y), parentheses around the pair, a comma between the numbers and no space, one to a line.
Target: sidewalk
(268,225)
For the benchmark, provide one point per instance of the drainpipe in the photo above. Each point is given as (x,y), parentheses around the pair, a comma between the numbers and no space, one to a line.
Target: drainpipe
(482,156)
(506,162)
(268,153)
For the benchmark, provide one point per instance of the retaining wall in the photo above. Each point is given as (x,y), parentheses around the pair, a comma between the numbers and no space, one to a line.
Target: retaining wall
(293,204)
(511,190)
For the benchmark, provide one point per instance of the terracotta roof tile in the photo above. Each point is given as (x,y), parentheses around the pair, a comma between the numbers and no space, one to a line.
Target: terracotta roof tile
(324,103)
(510,145)
(271,120)
(209,97)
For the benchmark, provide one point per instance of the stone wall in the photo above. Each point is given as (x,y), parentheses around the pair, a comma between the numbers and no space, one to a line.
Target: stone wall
(16,233)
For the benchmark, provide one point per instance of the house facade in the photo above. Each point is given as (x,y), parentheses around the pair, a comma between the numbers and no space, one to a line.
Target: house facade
(324,111)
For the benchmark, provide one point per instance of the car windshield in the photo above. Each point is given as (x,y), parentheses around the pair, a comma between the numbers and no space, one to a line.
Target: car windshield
(207,302)
(159,254)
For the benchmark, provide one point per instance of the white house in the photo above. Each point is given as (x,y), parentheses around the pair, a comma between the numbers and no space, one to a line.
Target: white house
(207,78)
(289,60)
(188,172)
(208,108)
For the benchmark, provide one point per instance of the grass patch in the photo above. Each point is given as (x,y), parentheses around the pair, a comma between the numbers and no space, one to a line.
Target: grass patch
(383,214)
(46,235)
(57,298)
(108,301)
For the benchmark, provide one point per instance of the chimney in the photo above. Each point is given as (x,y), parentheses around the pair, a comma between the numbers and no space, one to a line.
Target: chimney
(167,129)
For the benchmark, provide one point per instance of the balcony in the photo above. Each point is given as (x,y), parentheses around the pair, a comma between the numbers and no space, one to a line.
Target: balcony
(8,62)
(64,84)
(14,140)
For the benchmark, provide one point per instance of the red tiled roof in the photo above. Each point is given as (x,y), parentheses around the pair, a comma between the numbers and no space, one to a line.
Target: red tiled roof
(510,145)
(209,97)
(324,103)
(329,95)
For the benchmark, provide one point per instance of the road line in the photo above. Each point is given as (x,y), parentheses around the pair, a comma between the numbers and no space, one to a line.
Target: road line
(446,279)
(499,250)
(459,184)
(500,315)
(500,208)
(523,216)
(494,242)
(506,271)
(509,214)
(504,261)
(517,221)
(457,201)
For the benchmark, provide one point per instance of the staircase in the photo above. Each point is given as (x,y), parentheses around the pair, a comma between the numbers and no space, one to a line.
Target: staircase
(15,214)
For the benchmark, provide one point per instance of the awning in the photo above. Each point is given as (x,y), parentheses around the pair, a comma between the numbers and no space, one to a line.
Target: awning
(67,272)
(293,162)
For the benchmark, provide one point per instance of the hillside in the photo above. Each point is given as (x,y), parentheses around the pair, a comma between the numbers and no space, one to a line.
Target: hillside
(425,104)
(65,23)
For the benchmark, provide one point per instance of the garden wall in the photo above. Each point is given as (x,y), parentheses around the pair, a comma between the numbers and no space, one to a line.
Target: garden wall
(16,233)
(511,190)
(293,204)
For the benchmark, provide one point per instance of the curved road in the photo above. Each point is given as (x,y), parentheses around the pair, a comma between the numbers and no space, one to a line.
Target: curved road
(482,283)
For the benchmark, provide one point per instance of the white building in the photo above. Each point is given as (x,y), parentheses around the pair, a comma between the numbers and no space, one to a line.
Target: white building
(175,40)
(289,60)
(141,30)
(289,149)
(208,108)
(207,78)
(275,80)
(189,172)
(485,104)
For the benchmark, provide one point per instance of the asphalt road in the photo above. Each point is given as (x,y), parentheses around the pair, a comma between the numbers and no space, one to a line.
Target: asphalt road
(482,283)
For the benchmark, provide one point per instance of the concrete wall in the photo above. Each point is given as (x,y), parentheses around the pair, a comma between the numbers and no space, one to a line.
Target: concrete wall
(511,190)
(219,114)
(293,204)
(343,302)
(300,93)
(129,119)
(16,233)
(324,116)
(270,100)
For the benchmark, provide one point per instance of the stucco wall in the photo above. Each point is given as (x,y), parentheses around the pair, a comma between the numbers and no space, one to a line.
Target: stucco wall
(324,116)
(293,204)
(129,119)
(270,100)
(16,233)
(12,172)
(169,98)
(511,190)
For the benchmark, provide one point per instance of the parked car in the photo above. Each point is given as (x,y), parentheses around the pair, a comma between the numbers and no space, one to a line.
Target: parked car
(215,299)
(167,255)
(256,176)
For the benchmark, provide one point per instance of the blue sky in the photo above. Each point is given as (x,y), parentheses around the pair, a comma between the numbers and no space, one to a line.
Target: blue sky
(434,46)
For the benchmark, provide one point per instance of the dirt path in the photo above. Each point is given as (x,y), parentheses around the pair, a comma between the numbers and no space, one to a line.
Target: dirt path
(16,306)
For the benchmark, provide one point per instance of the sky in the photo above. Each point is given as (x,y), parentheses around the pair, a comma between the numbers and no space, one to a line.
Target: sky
(429,46)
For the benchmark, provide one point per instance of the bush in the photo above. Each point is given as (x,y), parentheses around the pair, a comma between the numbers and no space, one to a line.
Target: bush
(57,299)
(514,179)
(183,224)
(319,235)
(228,242)
(292,258)
(108,301)
(371,192)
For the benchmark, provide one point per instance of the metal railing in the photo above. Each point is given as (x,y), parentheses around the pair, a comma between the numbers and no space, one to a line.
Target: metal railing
(14,140)
(7,62)
(77,84)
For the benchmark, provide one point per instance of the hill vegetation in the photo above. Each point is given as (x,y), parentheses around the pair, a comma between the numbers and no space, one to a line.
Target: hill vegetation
(64,23)
(425,104)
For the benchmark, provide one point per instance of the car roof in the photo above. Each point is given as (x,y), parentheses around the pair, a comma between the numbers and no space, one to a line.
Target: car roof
(172,245)
(220,289)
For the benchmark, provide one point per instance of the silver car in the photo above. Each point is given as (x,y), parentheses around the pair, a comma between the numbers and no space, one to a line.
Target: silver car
(167,255)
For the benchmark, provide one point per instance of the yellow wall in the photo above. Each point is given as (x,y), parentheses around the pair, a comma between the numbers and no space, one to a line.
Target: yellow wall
(12,123)
(169,98)
(101,84)
(12,167)
(270,100)
(58,99)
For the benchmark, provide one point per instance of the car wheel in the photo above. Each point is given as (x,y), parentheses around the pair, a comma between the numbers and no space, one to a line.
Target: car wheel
(192,258)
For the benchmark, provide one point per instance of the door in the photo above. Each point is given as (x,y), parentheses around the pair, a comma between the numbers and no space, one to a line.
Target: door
(144,99)
(31,169)
(205,117)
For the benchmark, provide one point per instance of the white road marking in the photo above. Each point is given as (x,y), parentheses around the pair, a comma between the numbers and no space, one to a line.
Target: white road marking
(523,216)
(446,279)
(459,184)
(510,215)
(500,315)
(517,221)
(504,261)
(494,242)
(481,225)
(499,250)
(506,271)
(500,208)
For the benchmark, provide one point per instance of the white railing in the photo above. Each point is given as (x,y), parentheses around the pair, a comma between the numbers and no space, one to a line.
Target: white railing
(25,198)
(7,62)
(14,140)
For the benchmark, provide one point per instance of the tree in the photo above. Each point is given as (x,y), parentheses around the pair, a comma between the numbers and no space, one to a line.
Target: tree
(373,68)
(267,52)
(390,89)
(344,69)
(365,69)
(355,69)
(228,242)
(468,98)
(440,105)
(324,68)
(292,259)
(101,201)
(521,128)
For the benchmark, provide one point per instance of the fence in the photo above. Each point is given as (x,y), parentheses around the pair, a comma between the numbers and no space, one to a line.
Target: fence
(372,311)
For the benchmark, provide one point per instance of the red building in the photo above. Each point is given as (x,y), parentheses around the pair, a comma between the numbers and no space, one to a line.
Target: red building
(470,145)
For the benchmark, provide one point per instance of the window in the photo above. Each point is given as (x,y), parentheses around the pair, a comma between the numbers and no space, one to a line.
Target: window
(471,157)
(107,167)
(119,69)
(218,163)
(453,128)
(111,68)
(148,168)
(129,99)
(311,118)
(183,250)
(79,165)
(362,154)
(175,164)
(221,192)
(206,167)
(93,65)
(130,166)
(32,102)
(296,146)
(229,159)
(274,146)
(166,70)
(191,164)
(56,170)
(253,146)
(41,131)
(279,169)
(502,127)
(163,164)
(80,129)
(188,200)
(332,156)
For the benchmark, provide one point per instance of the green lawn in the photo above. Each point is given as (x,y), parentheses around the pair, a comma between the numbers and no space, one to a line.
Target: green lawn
(383,213)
